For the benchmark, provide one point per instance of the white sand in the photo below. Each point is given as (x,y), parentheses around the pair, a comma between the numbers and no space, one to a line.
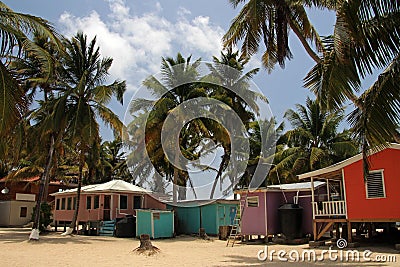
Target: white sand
(55,250)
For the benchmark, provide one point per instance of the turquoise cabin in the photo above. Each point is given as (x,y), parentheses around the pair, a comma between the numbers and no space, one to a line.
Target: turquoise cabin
(156,223)
(195,214)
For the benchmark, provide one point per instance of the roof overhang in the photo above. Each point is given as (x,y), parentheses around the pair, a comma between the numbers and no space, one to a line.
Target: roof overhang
(335,171)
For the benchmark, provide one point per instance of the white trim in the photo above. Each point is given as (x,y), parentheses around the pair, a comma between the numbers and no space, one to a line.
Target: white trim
(265,214)
(344,193)
(344,163)
(312,196)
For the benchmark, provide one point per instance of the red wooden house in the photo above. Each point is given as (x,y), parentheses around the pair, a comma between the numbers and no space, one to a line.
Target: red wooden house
(353,198)
(18,197)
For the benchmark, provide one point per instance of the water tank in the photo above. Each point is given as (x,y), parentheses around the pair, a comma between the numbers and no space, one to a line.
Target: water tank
(290,219)
(126,227)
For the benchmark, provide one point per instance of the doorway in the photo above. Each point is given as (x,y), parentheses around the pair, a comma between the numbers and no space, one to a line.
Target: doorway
(107,208)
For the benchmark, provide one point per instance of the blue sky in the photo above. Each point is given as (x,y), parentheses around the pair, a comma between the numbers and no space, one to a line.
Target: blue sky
(136,34)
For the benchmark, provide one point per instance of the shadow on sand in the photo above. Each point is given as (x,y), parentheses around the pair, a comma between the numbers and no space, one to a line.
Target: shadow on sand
(19,235)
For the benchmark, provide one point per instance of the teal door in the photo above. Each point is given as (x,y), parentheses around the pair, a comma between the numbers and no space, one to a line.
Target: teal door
(221,216)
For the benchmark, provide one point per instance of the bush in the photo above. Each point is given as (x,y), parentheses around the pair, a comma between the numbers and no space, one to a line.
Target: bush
(45,216)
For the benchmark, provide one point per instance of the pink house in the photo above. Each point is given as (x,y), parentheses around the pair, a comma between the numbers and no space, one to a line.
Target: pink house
(103,202)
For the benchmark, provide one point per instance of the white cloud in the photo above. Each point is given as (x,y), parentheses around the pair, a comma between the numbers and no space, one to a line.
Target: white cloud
(137,42)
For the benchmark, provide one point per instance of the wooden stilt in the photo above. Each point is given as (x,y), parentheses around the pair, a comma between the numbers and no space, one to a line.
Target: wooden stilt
(323,231)
(349,233)
(337,227)
(315,230)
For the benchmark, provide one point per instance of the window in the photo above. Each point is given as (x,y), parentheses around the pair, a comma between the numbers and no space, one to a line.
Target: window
(137,202)
(74,203)
(156,216)
(89,202)
(375,185)
(123,202)
(96,202)
(69,203)
(57,204)
(252,201)
(23,212)
(63,203)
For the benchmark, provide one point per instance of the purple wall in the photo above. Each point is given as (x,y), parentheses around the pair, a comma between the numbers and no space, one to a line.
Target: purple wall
(253,218)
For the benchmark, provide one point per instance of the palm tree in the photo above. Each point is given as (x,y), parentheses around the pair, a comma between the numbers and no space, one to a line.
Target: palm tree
(313,143)
(178,84)
(15,29)
(366,38)
(84,100)
(111,163)
(33,75)
(269,22)
(233,90)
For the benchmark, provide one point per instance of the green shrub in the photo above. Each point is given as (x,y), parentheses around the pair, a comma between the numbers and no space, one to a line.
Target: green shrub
(45,216)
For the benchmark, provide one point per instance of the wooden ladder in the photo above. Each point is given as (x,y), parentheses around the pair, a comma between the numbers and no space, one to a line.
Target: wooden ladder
(235,230)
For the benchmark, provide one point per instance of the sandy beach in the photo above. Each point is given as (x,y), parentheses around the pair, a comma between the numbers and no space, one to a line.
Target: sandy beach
(55,250)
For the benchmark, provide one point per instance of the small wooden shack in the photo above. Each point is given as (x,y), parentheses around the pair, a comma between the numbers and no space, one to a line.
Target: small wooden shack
(103,202)
(354,198)
(210,215)
(155,223)
(259,208)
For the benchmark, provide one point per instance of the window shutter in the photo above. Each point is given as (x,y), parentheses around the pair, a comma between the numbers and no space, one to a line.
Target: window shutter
(252,201)
(375,185)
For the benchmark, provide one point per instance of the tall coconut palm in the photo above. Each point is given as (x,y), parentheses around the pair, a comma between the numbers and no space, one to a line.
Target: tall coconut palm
(15,31)
(32,74)
(366,38)
(84,100)
(233,89)
(269,22)
(313,143)
(178,84)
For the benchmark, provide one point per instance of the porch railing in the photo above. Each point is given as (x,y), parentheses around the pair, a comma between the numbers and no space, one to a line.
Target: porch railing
(329,208)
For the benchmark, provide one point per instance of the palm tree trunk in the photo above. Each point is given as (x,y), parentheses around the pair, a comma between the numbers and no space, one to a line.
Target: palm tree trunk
(44,184)
(303,41)
(221,166)
(78,196)
(174,186)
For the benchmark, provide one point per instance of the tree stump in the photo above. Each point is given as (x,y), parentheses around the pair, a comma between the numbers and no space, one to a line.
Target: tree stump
(202,234)
(146,247)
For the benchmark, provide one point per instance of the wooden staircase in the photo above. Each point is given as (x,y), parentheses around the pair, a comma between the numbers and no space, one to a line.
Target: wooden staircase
(107,228)
(235,230)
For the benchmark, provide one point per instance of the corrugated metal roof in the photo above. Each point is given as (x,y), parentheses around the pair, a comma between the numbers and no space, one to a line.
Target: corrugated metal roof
(304,186)
(111,186)
(296,186)
(202,202)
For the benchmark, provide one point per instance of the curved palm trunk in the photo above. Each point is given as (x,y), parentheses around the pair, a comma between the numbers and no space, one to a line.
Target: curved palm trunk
(303,41)
(78,196)
(43,189)
(221,166)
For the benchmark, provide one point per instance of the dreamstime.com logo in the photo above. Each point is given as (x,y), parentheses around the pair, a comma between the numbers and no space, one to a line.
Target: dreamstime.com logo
(181,122)
(334,255)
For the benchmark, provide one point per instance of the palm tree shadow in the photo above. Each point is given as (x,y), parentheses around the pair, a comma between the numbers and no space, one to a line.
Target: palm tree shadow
(22,235)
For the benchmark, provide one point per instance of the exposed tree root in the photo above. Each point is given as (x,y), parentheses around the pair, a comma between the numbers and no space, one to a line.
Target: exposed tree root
(146,247)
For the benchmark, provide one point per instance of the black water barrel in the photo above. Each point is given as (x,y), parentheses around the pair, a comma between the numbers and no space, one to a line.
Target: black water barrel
(290,219)
(126,227)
